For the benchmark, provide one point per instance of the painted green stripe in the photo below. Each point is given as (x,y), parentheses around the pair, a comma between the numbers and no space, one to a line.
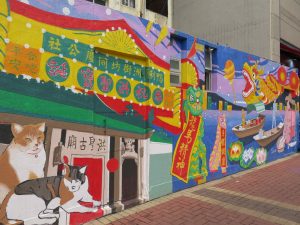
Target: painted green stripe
(176,105)
(2,52)
(2,14)
(1,25)
(97,34)
(8,7)
(49,92)
(2,39)
(16,103)
(82,29)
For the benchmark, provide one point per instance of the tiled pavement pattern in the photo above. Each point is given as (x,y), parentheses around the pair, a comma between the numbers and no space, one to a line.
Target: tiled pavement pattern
(265,195)
(194,211)
(248,203)
(273,182)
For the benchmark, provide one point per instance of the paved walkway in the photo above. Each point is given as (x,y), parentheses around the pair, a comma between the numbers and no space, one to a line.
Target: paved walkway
(265,195)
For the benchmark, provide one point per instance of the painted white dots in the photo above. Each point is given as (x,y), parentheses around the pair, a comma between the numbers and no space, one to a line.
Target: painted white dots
(66,11)
(108,11)
(71,2)
(28,25)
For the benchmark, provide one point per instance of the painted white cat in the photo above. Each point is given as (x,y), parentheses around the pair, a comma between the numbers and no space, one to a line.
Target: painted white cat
(24,158)
(38,201)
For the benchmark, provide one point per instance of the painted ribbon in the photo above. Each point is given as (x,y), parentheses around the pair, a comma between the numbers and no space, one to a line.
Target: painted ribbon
(184,147)
(218,156)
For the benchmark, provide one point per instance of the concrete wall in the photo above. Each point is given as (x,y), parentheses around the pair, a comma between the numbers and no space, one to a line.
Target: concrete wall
(290,21)
(244,25)
(275,30)
(255,26)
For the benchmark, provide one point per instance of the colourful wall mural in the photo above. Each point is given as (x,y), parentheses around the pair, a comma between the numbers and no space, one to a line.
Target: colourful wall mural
(90,122)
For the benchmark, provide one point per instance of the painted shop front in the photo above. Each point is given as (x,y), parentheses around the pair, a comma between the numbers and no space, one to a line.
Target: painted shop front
(100,111)
(100,151)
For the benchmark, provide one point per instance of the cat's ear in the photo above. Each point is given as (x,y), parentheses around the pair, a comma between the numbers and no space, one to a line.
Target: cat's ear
(82,170)
(16,129)
(41,127)
(66,170)
(67,182)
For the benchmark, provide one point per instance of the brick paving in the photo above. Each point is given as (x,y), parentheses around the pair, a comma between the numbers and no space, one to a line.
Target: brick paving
(266,208)
(262,196)
(279,182)
(194,211)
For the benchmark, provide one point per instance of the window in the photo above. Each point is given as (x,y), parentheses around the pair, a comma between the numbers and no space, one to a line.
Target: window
(100,2)
(158,6)
(175,72)
(130,3)
(207,80)
(208,67)
(177,43)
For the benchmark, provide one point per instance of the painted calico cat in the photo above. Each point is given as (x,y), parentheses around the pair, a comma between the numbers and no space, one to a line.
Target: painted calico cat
(38,201)
(24,158)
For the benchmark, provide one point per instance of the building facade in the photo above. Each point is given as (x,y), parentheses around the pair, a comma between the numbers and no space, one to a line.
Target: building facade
(101,110)
(264,28)
(158,11)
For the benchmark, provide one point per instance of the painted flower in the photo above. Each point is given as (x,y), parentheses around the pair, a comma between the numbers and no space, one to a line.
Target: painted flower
(235,151)
(294,80)
(260,156)
(282,78)
(247,158)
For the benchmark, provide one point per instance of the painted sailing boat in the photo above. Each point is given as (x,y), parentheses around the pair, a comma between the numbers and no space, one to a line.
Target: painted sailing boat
(264,138)
(249,127)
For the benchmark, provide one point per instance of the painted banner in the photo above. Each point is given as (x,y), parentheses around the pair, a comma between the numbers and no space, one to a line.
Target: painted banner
(223,150)
(127,69)
(79,142)
(184,146)
(73,49)
(68,48)
(22,60)
(218,155)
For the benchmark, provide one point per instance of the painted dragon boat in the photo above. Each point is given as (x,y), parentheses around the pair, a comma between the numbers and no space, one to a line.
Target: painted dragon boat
(250,127)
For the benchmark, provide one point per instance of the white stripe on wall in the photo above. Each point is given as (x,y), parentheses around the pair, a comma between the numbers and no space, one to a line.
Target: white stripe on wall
(159,148)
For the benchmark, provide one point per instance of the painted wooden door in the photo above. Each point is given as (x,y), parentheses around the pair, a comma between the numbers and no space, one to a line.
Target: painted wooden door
(129,180)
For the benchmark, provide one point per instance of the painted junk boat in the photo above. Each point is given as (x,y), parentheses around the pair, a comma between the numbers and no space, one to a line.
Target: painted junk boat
(264,138)
(249,127)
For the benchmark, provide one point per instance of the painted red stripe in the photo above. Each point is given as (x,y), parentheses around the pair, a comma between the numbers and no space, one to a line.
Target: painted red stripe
(169,127)
(77,23)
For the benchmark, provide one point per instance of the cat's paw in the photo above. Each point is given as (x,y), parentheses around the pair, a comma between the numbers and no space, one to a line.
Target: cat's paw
(97,203)
(48,214)
(47,211)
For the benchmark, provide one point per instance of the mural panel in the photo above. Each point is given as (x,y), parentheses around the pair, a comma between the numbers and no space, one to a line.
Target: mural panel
(90,123)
